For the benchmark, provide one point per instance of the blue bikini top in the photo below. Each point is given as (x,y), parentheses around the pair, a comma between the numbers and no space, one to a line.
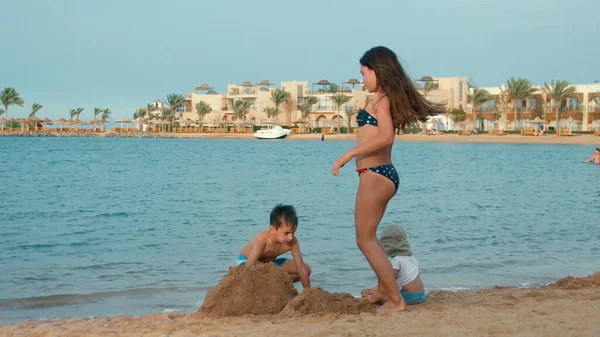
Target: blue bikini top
(364,117)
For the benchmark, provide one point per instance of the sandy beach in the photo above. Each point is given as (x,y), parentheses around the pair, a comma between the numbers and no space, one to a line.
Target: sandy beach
(582,139)
(569,307)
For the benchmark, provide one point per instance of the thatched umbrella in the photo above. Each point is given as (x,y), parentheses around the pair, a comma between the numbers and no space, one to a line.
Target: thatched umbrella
(203,87)
(35,121)
(95,122)
(46,121)
(537,121)
(322,83)
(265,83)
(247,84)
(60,122)
(70,122)
(23,122)
(123,121)
(352,81)
(11,121)
(212,92)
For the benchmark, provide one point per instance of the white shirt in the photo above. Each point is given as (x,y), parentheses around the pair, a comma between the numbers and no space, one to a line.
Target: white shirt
(408,267)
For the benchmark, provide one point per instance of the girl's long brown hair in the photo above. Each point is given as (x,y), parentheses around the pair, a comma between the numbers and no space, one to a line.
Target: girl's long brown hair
(407,105)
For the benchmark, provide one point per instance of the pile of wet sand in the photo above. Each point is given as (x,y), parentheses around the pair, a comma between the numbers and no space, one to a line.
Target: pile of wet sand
(266,289)
(575,283)
(318,301)
(258,290)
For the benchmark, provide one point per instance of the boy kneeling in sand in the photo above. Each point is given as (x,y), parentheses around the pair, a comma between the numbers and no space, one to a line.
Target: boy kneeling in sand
(266,246)
(406,267)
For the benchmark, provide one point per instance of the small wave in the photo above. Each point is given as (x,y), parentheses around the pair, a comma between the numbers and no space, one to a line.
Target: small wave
(70,299)
(116,214)
(38,246)
(109,265)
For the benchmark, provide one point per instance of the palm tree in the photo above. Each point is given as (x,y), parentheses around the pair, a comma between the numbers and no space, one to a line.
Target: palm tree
(72,113)
(34,110)
(349,113)
(97,111)
(518,89)
(75,113)
(339,100)
(428,87)
(558,90)
(175,101)
(202,109)
(477,96)
(306,107)
(272,112)
(105,114)
(332,88)
(8,97)
(150,108)
(140,115)
(278,97)
(240,108)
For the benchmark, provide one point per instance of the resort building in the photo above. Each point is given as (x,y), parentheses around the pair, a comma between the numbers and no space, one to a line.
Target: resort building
(333,104)
(327,105)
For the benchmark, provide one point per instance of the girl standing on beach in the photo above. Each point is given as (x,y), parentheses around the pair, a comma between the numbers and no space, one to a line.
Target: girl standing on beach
(395,104)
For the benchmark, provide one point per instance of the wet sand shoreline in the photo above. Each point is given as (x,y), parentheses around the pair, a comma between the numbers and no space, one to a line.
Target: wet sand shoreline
(569,307)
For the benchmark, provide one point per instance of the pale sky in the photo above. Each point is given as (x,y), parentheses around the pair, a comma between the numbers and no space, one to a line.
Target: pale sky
(124,54)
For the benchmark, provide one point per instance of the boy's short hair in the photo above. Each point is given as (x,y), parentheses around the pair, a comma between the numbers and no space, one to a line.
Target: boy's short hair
(284,215)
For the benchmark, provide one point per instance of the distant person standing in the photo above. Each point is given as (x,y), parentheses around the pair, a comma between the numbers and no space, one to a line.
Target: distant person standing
(541,129)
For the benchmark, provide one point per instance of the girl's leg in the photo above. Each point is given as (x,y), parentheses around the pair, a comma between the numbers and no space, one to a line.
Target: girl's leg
(374,192)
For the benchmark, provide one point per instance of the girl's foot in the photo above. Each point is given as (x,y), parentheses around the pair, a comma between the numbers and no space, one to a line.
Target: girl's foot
(389,308)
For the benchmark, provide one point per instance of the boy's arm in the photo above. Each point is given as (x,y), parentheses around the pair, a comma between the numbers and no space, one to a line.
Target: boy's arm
(300,267)
(590,159)
(256,251)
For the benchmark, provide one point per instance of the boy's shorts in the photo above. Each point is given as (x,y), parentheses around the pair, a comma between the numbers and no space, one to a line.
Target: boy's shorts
(413,298)
(241,261)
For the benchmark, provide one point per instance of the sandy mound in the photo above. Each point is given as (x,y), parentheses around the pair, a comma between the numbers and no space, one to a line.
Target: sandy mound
(317,300)
(257,290)
(574,283)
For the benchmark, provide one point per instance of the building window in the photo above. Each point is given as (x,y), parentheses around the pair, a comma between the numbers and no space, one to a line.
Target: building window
(461,90)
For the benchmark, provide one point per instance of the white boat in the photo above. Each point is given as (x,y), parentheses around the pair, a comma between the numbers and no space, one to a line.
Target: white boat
(274,133)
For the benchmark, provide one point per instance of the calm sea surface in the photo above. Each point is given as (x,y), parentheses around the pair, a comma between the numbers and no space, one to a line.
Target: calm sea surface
(95,227)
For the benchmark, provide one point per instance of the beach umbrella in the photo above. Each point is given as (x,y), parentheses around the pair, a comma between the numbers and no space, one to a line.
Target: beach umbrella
(122,121)
(203,87)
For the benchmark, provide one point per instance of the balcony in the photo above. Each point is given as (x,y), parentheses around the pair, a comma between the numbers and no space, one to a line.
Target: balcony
(246,93)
